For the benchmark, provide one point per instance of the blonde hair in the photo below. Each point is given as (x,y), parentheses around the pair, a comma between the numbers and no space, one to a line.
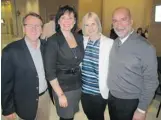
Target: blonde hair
(95,18)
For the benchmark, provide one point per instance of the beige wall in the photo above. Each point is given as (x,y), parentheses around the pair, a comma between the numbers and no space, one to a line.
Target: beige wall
(23,7)
(44,7)
(48,7)
(85,6)
(140,9)
(6,14)
(155,30)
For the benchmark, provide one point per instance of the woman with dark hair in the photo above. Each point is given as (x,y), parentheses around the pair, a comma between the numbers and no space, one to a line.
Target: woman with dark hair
(63,54)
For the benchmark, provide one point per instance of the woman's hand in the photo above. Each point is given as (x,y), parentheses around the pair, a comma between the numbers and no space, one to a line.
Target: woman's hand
(11,117)
(63,101)
(61,96)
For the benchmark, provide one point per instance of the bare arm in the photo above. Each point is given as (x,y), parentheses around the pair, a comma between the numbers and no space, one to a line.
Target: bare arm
(61,96)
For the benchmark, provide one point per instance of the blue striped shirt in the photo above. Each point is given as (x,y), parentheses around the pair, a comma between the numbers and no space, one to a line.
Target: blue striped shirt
(90,68)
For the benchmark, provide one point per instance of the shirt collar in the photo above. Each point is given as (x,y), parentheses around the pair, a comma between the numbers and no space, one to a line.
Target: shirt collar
(29,44)
(124,39)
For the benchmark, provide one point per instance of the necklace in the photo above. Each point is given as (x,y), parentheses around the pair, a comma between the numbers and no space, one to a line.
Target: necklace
(74,51)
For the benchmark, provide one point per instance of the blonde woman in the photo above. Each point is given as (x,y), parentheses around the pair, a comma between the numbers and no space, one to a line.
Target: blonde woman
(94,67)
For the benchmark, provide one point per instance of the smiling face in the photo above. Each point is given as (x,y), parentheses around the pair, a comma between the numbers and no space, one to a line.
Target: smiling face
(122,22)
(67,21)
(91,26)
(32,28)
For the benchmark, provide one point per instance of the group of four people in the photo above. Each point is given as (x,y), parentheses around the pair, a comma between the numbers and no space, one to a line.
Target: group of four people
(92,67)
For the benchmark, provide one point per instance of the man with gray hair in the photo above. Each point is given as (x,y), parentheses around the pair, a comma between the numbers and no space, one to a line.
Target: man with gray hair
(132,79)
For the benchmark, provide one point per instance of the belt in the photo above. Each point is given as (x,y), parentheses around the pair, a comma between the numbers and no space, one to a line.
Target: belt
(40,94)
(71,71)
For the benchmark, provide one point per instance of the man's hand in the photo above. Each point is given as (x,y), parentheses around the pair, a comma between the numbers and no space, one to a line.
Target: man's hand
(139,116)
(10,117)
(63,101)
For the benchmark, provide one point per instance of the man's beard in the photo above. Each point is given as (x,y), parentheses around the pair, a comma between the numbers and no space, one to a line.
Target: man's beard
(123,33)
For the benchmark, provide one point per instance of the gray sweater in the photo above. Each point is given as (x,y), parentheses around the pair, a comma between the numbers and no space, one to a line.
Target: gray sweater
(133,70)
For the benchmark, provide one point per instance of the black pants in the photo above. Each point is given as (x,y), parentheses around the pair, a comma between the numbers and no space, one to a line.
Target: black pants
(65,118)
(121,109)
(93,106)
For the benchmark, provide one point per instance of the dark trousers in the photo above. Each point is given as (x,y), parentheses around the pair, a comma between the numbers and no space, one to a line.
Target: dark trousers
(121,109)
(65,118)
(93,106)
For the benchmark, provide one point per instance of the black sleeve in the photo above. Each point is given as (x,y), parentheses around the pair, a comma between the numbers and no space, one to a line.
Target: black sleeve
(80,40)
(82,45)
(7,79)
(159,63)
(50,58)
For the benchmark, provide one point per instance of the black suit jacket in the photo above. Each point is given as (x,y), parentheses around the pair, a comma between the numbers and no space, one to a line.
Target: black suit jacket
(159,63)
(19,81)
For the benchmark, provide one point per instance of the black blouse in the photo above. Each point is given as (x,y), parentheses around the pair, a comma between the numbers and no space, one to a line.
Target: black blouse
(62,62)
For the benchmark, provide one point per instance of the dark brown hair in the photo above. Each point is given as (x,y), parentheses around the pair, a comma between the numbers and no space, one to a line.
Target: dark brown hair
(61,12)
(32,14)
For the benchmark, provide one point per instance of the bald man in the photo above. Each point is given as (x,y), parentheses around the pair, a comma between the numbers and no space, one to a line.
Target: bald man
(133,76)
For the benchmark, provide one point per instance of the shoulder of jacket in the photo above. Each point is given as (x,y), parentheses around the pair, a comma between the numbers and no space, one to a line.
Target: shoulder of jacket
(107,39)
(14,44)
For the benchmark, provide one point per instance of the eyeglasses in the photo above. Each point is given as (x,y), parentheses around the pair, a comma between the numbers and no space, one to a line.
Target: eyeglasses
(30,26)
